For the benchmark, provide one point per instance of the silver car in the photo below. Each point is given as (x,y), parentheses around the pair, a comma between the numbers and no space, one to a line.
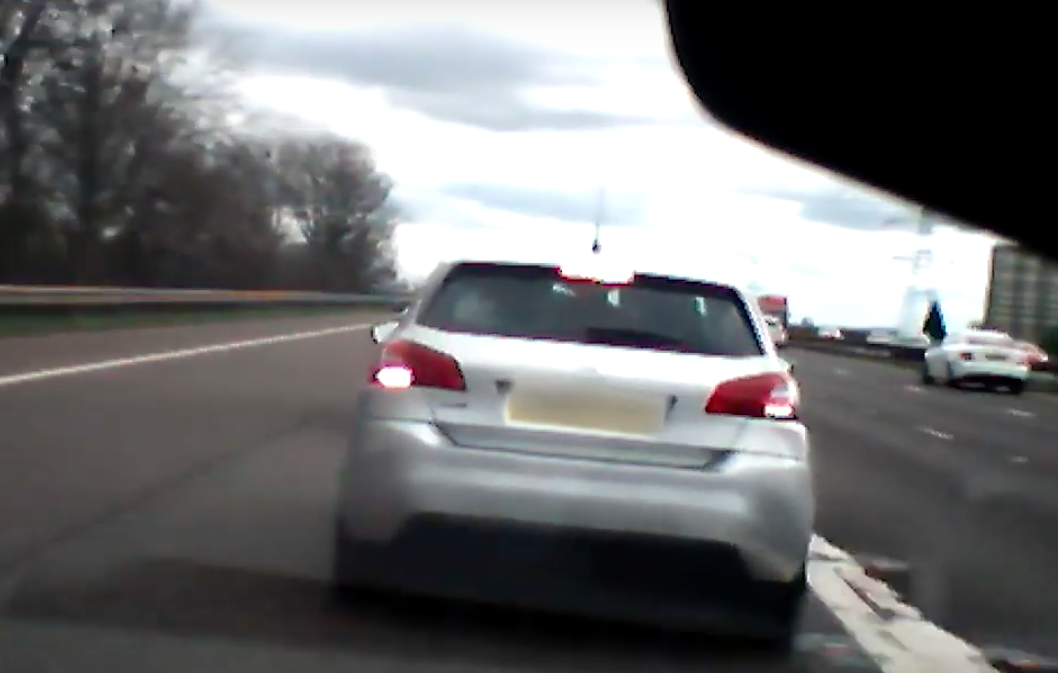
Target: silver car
(629,449)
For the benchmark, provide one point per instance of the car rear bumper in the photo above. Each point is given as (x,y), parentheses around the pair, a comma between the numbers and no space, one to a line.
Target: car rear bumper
(403,478)
(984,370)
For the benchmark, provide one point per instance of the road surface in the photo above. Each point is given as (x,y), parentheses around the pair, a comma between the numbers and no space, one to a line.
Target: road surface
(172,512)
(963,485)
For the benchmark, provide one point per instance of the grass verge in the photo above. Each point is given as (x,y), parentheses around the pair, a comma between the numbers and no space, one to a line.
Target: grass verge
(21,324)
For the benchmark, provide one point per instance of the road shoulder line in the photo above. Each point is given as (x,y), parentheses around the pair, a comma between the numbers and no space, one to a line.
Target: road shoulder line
(893,633)
(55,372)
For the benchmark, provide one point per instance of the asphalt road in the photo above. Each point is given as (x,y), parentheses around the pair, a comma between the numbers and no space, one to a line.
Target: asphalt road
(174,514)
(962,485)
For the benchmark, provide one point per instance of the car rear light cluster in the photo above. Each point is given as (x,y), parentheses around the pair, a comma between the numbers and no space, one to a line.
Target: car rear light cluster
(772,395)
(406,364)
(966,357)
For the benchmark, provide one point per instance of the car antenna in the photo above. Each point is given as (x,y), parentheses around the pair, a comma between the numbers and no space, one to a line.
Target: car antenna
(596,245)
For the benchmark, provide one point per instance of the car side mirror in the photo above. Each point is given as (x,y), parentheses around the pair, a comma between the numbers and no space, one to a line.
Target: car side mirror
(383,331)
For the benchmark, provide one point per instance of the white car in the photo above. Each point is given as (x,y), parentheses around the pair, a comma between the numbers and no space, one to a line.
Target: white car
(992,359)
(527,431)
(777,331)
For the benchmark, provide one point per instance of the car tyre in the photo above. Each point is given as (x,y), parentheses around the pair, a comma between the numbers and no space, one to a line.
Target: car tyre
(927,380)
(350,563)
(1016,387)
(789,600)
(949,379)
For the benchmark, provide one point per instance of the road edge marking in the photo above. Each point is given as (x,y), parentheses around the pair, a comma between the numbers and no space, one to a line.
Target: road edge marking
(162,356)
(894,634)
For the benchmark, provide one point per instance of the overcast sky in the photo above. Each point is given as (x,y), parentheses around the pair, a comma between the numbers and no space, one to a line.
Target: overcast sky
(499,121)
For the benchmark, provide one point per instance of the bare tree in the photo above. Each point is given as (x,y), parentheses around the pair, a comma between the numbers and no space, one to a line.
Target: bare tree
(112,61)
(123,135)
(340,204)
(18,25)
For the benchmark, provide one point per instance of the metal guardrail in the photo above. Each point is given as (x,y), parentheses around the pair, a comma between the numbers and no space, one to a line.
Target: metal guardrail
(25,295)
(901,352)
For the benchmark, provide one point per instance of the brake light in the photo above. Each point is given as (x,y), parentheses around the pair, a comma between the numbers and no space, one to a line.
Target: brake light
(966,357)
(406,364)
(595,271)
(772,395)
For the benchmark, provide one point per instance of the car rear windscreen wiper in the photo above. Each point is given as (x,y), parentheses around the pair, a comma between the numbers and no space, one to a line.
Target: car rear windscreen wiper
(633,338)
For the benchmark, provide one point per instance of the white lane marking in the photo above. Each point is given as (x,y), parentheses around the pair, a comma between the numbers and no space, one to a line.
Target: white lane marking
(894,634)
(841,372)
(915,389)
(39,375)
(1019,460)
(936,433)
(1020,413)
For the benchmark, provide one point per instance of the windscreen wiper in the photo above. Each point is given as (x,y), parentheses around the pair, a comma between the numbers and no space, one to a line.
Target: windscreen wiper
(633,338)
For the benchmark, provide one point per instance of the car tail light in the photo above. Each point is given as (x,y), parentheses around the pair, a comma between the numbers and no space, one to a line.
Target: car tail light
(966,357)
(770,395)
(406,364)
(593,271)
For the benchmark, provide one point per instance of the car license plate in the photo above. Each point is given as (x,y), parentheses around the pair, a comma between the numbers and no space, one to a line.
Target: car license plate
(610,413)
(996,357)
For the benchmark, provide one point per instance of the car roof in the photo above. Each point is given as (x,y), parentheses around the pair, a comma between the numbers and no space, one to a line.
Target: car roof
(444,268)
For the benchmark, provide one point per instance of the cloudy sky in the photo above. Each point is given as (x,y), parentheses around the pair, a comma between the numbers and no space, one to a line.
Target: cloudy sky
(500,121)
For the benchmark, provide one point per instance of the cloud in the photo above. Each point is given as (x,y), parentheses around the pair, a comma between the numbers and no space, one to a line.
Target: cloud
(624,208)
(452,73)
(854,207)
(499,123)
(803,269)
(431,206)
(841,206)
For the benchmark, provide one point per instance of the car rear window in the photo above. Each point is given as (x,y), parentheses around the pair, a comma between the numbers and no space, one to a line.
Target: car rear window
(651,312)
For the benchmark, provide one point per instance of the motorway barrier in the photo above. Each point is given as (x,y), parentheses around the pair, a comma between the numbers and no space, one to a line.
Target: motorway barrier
(856,343)
(26,295)
(900,353)
(20,304)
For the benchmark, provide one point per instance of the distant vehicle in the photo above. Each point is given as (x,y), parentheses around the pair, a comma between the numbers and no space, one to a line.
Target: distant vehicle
(830,333)
(522,416)
(777,306)
(989,358)
(777,331)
